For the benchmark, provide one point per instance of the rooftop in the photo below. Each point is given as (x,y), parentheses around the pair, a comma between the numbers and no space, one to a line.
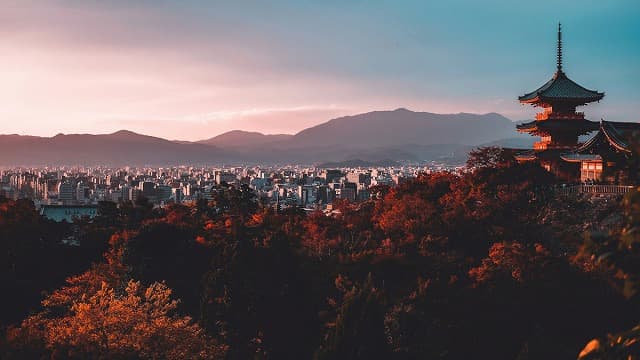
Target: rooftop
(583,126)
(561,88)
(615,134)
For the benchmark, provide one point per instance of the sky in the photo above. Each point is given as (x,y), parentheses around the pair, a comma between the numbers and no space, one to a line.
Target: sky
(190,70)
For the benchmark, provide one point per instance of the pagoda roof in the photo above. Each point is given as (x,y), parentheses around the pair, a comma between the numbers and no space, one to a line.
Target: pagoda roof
(547,154)
(614,134)
(561,88)
(573,157)
(545,125)
(525,155)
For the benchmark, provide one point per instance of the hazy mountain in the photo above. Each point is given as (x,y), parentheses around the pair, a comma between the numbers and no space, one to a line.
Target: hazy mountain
(371,137)
(120,148)
(239,138)
(382,129)
(398,135)
(402,126)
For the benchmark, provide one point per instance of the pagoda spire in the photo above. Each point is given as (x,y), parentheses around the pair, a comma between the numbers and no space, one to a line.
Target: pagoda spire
(559,47)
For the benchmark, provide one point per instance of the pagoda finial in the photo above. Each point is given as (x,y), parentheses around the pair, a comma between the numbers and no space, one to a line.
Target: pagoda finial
(559,47)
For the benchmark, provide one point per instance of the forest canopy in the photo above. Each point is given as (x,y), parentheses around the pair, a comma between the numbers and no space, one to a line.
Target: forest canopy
(489,264)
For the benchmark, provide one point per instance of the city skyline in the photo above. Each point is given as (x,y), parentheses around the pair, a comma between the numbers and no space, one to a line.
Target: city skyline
(193,70)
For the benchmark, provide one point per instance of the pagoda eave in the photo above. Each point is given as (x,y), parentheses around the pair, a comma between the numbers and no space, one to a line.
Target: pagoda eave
(545,155)
(561,124)
(561,89)
(543,101)
(545,127)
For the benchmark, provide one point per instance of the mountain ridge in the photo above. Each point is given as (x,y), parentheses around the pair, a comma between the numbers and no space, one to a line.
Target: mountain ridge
(231,138)
(119,148)
(395,135)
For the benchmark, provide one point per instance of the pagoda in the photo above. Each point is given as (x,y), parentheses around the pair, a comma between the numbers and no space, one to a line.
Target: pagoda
(558,125)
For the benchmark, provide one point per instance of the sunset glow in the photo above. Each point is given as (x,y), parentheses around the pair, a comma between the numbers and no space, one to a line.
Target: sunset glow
(189,70)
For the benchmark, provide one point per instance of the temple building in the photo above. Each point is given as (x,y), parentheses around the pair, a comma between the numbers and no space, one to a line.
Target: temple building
(604,157)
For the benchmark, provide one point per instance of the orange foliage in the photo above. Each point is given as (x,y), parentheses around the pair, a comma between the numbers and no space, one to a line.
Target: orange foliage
(406,218)
(322,234)
(514,259)
(177,215)
(139,323)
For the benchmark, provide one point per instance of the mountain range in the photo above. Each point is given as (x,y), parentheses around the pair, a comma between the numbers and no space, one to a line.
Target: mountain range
(399,135)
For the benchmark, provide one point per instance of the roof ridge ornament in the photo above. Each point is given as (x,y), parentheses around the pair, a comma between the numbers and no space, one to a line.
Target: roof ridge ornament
(559,55)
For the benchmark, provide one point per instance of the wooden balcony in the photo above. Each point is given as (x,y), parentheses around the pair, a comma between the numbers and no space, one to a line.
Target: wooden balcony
(556,116)
(545,144)
(540,145)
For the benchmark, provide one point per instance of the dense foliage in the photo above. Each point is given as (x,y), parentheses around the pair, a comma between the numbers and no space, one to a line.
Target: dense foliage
(491,264)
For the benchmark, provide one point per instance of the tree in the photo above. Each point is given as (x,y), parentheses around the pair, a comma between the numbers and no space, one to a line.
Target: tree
(358,329)
(490,157)
(508,261)
(618,255)
(261,313)
(410,215)
(138,322)
(28,244)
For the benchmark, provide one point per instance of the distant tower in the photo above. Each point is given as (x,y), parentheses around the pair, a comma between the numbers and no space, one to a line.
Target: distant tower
(559,124)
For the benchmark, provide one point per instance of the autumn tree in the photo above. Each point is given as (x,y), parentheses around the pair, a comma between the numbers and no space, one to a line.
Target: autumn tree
(136,322)
(410,215)
(323,234)
(493,204)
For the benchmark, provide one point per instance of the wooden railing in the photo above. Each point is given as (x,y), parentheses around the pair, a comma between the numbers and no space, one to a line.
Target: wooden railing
(570,116)
(595,189)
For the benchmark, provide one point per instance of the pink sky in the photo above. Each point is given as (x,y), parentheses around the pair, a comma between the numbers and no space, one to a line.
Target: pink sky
(98,69)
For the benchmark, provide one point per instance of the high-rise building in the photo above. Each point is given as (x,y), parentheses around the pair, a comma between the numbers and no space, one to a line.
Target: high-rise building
(225,177)
(66,192)
(163,192)
(147,188)
(80,192)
